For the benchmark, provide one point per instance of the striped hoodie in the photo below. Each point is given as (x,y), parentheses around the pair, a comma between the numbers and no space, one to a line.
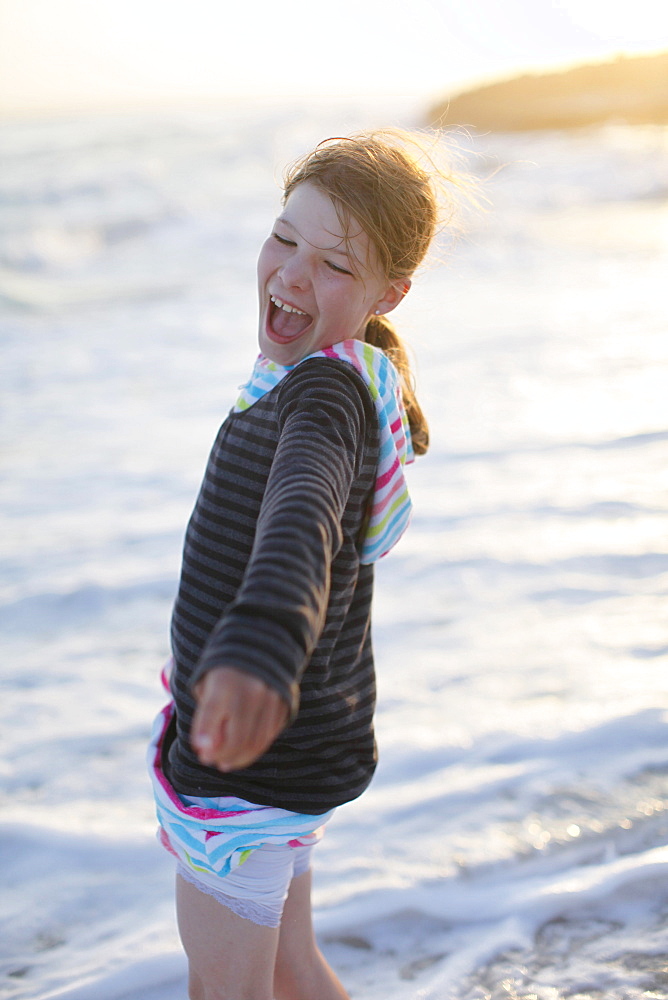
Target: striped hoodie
(272,583)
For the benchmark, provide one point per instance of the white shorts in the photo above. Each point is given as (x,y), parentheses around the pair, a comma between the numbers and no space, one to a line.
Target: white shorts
(258,888)
(244,855)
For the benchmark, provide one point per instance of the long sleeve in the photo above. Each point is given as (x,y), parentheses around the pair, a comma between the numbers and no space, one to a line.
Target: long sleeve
(272,584)
(273,625)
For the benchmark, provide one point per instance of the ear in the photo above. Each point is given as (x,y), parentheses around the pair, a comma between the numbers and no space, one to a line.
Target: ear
(394,294)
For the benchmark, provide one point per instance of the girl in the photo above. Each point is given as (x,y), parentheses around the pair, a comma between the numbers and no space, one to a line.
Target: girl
(272,676)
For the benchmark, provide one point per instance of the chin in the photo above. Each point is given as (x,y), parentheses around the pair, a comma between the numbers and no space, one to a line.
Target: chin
(282,354)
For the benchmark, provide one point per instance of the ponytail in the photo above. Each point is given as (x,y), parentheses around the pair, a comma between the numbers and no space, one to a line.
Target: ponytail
(381,333)
(396,187)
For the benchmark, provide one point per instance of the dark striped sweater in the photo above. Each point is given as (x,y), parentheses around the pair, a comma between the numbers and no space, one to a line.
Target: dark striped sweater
(271,583)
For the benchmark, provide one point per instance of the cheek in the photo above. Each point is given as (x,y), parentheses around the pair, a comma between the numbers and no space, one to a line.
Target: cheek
(359,306)
(265,261)
(346,297)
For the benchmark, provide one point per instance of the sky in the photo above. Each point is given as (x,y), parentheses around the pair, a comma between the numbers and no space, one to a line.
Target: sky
(68,54)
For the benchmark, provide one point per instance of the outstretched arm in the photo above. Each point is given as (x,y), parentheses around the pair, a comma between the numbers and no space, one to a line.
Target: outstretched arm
(257,652)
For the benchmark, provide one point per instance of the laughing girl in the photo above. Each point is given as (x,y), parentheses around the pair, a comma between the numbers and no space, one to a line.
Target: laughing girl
(271,724)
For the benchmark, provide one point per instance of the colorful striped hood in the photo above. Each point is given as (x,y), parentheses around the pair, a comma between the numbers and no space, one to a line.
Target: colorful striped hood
(390,508)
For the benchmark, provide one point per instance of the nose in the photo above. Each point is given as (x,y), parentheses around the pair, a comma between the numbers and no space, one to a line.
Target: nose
(293,271)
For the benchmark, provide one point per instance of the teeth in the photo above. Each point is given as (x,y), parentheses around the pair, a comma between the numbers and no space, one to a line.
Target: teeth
(288,309)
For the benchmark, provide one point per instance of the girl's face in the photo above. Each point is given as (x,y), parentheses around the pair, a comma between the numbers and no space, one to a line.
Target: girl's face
(316,288)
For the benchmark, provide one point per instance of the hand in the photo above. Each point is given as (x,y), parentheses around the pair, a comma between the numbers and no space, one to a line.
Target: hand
(238,717)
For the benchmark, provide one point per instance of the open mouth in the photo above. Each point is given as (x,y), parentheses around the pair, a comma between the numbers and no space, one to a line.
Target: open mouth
(285,322)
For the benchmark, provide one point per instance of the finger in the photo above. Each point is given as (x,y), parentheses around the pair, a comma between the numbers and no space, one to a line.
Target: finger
(252,730)
(244,741)
(210,723)
(249,737)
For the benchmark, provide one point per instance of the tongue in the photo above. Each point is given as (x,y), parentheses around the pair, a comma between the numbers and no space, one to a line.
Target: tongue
(287,324)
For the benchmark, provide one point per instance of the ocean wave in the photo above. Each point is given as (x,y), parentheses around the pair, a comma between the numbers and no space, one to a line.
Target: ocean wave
(515,833)
(46,612)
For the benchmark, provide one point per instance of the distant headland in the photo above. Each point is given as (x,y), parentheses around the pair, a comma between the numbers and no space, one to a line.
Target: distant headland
(633,90)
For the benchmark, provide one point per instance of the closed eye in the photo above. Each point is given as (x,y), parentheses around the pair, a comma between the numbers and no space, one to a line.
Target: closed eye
(330,264)
(282,239)
(339,270)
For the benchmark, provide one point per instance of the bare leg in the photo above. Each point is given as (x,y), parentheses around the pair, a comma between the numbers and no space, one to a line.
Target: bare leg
(229,958)
(302,973)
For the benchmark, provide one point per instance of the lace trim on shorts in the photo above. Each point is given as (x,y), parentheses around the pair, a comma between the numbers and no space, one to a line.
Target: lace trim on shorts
(266,916)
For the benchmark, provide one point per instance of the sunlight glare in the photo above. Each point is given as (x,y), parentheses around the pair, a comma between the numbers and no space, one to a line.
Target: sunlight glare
(81,54)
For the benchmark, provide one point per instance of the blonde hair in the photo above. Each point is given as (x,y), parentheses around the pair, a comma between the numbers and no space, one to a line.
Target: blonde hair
(377,178)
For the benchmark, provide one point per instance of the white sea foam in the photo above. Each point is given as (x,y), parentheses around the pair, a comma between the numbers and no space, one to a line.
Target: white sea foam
(513,841)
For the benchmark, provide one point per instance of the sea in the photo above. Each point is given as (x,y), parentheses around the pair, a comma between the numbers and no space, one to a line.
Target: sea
(512,845)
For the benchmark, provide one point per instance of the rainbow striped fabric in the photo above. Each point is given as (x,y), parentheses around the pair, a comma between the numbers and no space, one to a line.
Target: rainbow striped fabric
(390,508)
(214,841)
